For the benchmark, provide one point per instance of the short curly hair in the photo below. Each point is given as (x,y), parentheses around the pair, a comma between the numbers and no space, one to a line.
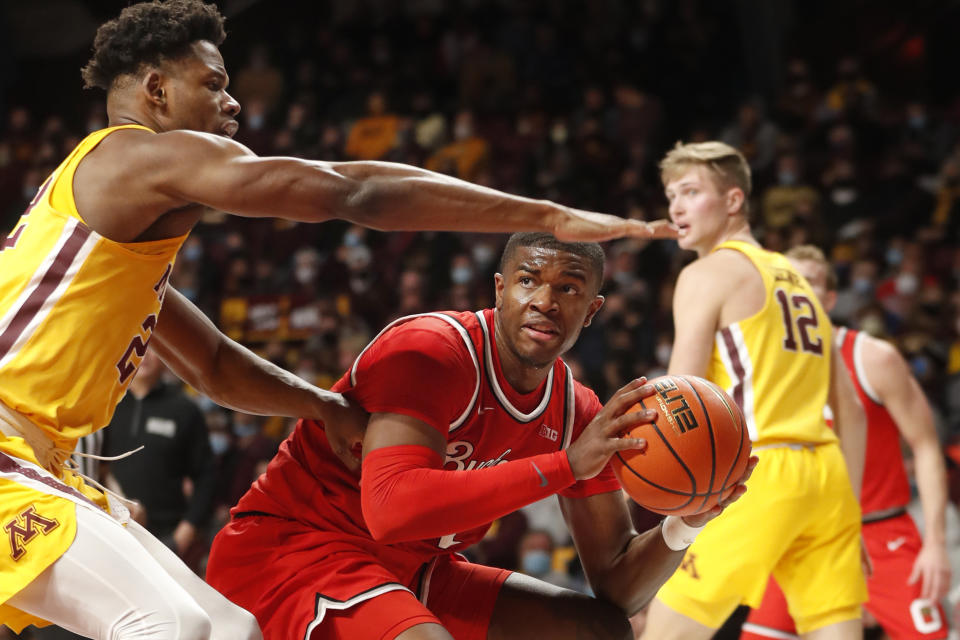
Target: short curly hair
(149,33)
(591,251)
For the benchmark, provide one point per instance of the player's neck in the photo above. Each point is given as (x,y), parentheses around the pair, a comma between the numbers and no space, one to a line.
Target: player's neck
(738,229)
(121,111)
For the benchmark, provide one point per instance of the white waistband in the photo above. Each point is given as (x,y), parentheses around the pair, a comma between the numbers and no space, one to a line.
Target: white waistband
(796,446)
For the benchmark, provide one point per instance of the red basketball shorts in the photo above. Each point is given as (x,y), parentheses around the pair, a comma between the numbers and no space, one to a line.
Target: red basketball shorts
(893,546)
(302,583)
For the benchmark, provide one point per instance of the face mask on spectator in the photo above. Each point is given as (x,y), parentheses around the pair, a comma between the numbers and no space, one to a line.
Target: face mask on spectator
(219,442)
(461,275)
(246,429)
(304,275)
(787,178)
(862,285)
(193,251)
(255,121)
(894,256)
(907,284)
(535,563)
(482,255)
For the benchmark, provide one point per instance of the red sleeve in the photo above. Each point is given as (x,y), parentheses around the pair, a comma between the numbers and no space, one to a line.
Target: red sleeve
(588,405)
(406,495)
(420,369)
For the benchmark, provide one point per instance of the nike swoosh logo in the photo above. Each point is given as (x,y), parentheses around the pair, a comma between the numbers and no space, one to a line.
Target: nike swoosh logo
(482,410)
(893,545)
(543,478)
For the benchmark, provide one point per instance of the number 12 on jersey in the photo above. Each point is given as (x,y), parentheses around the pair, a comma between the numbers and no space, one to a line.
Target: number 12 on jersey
(799,318)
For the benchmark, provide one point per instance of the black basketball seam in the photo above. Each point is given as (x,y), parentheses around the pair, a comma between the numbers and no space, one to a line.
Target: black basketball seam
(692,494)
(742,427)
(713,442)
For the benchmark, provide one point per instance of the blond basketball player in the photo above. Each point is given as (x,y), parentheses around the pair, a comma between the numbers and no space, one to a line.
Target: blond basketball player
(746,320)
(83,277)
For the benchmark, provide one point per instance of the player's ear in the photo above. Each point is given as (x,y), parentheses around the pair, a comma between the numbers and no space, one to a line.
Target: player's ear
(152,85)
(592,310)
(498,284)
(735,200)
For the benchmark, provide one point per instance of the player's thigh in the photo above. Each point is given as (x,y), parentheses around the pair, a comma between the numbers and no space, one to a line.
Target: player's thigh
(107,585)
(230,622)
(665,623)
(393,614)
(730,561)
(530,608)
(821,574)
(893,546)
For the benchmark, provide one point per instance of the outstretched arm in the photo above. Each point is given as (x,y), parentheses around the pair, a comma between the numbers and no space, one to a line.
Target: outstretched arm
(235,377)
(189,167)
(901,394)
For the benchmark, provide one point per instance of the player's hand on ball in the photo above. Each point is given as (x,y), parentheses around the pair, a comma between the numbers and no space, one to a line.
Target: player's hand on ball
(601,438)
(734,493)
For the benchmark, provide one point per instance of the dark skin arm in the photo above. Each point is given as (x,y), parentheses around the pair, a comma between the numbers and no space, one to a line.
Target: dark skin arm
(625,567)
(168,174)
(233,376)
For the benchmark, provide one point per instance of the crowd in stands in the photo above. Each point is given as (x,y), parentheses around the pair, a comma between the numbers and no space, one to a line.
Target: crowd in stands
(574,105)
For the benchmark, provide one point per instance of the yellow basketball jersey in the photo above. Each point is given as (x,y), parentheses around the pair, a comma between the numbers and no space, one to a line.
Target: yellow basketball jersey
(76,310)
(776,363)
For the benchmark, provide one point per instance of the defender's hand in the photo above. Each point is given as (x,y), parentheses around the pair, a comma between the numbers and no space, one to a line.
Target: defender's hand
(601,438)
(733,494)
(588,226)
(345,423)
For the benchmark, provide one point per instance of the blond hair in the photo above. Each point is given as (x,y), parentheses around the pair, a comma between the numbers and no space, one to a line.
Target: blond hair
(811,253)
(727,165)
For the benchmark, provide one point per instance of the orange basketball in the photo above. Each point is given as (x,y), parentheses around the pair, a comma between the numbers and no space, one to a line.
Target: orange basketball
(696,450)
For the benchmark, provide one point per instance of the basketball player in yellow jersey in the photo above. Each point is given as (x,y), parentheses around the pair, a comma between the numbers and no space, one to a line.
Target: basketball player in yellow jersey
(745,319)
(83,277)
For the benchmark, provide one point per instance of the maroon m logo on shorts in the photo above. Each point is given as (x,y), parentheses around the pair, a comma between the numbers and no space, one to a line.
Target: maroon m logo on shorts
(25,527)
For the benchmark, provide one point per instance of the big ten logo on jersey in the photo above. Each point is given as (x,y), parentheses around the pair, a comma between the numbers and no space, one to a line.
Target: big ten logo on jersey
(459,452)
(138,344)
(674,406)
(25,527)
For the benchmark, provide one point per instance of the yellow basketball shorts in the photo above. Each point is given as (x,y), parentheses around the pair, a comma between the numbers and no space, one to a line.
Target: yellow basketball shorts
(800,521)
(37,520)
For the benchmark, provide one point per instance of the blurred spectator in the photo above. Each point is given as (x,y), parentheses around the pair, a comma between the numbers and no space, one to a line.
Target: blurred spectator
(259,81)
(374,136)
(465,155)
(535,553)
(754,135)
(174,475)
(790,198)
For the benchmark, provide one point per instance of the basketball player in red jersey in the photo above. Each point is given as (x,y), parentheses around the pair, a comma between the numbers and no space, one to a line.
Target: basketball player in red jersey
(82,280)
(474,415)
(910,573)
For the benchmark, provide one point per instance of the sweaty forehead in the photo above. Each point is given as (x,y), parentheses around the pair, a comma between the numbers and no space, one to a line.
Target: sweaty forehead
(543,257)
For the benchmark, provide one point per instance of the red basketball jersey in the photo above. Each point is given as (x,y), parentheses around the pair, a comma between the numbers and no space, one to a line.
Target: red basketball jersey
(442,368)
(885,484)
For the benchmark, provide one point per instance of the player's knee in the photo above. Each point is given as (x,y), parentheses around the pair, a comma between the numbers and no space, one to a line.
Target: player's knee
(184,621)
(195,624)
(246,626)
